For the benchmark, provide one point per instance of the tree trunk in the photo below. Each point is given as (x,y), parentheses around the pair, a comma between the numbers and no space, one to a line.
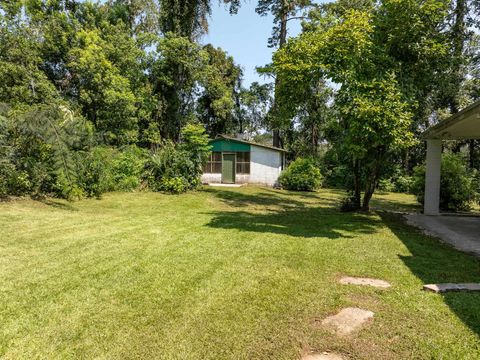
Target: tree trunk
(471,153)
(371,183)
(459,36)
(356,184)
(282,40)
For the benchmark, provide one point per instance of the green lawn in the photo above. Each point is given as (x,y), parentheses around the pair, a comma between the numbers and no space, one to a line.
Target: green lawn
(245,273)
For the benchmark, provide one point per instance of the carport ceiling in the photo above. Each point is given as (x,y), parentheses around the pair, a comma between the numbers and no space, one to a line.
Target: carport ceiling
(463,125)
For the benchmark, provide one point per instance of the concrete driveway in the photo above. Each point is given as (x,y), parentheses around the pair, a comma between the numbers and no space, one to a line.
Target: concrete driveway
(462,232)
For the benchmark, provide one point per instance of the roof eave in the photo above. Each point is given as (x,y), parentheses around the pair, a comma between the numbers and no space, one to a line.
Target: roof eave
(225,137)
(435,132)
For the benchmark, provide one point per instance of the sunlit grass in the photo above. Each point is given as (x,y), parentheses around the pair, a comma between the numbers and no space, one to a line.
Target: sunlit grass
(224,274)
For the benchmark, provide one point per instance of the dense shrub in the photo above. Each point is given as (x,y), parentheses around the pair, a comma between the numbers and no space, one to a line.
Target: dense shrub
(105,169)
(398,183)
(301,175)
(178,168)
(458,186)
(338,176)
(56,158)
(95,170)
(38,145)
(171,169)
(386,185)
(127,168)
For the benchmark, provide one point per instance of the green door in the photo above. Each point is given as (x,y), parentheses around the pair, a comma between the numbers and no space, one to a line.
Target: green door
(228,168)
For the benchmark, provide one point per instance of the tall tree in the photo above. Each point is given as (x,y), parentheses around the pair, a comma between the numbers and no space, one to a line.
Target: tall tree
(254,104)
(282,11)
(376,81)
(103,92)
(176,72)
(221,84)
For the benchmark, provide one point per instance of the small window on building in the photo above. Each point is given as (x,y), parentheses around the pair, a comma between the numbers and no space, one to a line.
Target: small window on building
(243,163)
(214,164)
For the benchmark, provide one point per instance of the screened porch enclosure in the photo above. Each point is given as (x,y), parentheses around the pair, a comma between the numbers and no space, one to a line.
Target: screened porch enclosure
(214,163)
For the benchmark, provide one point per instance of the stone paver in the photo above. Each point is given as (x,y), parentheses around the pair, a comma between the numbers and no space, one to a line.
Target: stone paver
(440,288)
(347,320)
(323,356)
(364,281)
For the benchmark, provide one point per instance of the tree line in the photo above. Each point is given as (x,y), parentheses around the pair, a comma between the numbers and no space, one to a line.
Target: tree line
(353,90)
(75,75)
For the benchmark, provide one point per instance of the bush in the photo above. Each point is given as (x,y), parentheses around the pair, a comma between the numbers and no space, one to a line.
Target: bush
(386,185)
(458,187)
(400,184)
(169,163)
(403,183)
(174,185)
(127,168)
(301,175)
(95,171)
(104,169)
(178,168)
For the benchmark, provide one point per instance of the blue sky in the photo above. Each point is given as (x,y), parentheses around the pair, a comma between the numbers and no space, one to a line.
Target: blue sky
(244,36)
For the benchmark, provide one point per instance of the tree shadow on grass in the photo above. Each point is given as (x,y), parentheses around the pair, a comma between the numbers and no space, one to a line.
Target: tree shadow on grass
(58,204)
(288,216)
(264,198)
(435,262)
(394,205)
(270,197)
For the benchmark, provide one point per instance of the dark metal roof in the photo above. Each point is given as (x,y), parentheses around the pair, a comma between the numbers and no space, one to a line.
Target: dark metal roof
(225,137)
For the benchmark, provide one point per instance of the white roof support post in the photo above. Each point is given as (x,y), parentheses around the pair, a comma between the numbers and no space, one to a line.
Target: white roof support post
(432,177)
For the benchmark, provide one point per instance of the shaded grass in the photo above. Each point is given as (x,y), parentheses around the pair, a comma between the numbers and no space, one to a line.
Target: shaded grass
(223,274)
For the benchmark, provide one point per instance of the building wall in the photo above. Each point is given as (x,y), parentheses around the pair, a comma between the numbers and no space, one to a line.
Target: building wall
(265,165)
(211,178)
(217,178)
(265,168)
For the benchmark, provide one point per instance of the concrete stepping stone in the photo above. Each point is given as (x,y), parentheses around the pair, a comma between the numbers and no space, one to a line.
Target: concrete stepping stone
(441,288)
(347,320)
(323,356)
(364,281)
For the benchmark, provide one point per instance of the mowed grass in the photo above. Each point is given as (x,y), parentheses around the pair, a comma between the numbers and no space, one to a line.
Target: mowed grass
(244,273)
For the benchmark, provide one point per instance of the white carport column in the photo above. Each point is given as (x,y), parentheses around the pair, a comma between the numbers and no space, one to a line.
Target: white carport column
(432,177)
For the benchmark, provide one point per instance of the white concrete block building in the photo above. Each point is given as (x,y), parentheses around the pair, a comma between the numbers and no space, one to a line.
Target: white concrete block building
(235,161)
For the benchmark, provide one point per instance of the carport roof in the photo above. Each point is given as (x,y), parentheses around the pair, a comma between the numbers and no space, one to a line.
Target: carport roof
(463,125)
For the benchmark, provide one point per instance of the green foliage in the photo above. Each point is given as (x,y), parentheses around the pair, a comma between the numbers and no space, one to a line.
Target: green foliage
(255,103)
(374,114)
(301,175)
(221,82)
(95,169)
(171,168)
(176,168)
(397,181)
(105,94)
(104,169)
(458,185)
(175,185)
(127,168)
(196,142)
(177,70)
(38,145)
